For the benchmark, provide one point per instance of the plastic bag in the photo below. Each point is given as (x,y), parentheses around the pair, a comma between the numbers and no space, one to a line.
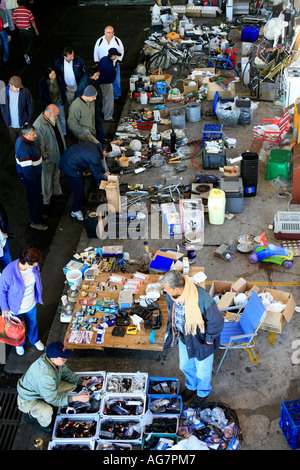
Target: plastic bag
(12,330)
(228,114)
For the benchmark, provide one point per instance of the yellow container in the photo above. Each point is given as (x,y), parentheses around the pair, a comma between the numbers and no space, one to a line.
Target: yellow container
(216,206)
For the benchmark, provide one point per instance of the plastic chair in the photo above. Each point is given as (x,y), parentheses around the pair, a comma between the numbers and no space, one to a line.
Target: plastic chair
(272,136)
(240,334)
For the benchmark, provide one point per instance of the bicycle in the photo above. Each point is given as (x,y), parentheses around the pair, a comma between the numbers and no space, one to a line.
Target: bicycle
(168,54)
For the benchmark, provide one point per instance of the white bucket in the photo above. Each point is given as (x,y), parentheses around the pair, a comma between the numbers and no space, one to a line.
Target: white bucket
(245,66)
(216,207)
(143,97)
(74,277)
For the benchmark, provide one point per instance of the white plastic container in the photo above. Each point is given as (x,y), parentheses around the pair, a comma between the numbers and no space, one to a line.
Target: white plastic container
(74,278)
(216,206)
(143,97)
(245,66)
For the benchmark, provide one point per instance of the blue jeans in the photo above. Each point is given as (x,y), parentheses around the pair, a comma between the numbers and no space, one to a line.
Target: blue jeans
(31,325)
(5,259)
(197,373)
(5,45)
(117,83)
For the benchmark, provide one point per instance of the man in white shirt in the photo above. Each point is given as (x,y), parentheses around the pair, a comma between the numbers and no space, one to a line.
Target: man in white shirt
(102,46)
(71,69)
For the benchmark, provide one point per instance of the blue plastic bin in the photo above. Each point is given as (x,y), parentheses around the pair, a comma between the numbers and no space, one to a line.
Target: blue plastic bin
(152,380)
(290,422)
(249,34)
(212,132)
(152,398)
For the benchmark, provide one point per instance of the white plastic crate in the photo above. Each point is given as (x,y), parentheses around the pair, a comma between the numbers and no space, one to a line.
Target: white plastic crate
(113,445)
(141,398)
(113,382)
(86,418)
(111,420)
(54,445)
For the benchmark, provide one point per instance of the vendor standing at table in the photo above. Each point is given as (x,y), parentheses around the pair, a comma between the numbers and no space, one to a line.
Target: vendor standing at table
(195,324)
(48,383)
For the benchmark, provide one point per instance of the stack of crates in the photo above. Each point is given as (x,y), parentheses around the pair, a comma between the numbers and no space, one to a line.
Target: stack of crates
(212,132)
(290,422)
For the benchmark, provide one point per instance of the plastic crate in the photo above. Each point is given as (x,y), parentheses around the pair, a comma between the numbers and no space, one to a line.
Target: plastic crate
(76,444)
(212,132)
(161,380)
(152,398)
(81,418)
(173,423)
(113,382)
(249,34)
(109,422)
(172,437)
(114,397)
(290,422)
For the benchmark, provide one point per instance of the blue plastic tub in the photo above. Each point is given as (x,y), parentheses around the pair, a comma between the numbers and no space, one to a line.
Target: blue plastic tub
(249,34)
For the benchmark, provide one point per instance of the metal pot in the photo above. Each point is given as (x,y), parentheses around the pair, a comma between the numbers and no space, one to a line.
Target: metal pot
(245,247)
(245,239)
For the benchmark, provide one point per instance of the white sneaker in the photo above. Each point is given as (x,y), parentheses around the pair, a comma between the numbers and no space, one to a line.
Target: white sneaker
(39,345)
(77,215)
(27,59)
(20,350)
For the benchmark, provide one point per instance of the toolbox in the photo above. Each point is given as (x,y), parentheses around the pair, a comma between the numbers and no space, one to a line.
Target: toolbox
(234,194)
(213,160)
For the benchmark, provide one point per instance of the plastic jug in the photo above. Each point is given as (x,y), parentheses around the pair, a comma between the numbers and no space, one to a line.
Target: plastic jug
(216,206)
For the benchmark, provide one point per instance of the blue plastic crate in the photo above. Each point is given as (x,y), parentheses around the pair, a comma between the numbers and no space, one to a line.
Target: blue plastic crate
(153,398)
(249,34)
(290,422)
(212,132)
(155,380)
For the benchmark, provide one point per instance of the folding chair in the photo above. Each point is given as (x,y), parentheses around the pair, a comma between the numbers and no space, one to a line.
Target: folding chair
(272,136)
(240,334)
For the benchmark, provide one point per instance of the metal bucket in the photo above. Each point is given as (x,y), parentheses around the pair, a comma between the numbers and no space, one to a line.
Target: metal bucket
(177,116)
(193,112)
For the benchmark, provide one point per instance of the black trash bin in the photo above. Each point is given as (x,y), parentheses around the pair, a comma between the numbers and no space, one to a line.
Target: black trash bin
(249,172)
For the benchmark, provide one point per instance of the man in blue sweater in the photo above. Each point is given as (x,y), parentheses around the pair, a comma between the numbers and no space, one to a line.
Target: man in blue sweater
(106,79)
(29,168)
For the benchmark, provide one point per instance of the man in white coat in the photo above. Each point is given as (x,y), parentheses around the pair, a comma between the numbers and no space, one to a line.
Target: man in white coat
(102,46)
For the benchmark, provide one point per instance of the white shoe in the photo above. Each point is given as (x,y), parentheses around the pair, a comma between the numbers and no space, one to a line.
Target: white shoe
(20,350)
(39,345)
(77,215)
(27,59)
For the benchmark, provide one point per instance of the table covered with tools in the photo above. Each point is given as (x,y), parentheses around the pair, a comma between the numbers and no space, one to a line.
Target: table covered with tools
(107,314)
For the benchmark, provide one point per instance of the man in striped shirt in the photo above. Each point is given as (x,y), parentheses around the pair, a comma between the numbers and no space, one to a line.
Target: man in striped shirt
(29,168)
(25,24)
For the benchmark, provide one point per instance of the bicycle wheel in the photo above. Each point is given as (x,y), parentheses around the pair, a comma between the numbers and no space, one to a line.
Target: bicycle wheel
(201,61)
(157,61)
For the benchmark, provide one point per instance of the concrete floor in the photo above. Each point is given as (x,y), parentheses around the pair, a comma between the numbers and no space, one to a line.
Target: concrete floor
(254,390)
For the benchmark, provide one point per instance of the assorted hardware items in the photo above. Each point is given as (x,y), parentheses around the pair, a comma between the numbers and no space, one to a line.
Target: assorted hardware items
(81,428)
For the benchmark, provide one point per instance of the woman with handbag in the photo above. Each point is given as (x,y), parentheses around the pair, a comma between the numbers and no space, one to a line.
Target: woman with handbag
(21,290)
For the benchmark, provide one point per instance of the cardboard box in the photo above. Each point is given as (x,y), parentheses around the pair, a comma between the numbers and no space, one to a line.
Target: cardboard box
(275,321)
(218,287)
(201,76)
(242,286)
(187,88)
(213,87)
(111,187)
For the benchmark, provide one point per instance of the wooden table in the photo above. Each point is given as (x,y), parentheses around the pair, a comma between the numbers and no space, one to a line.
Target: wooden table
(140,340)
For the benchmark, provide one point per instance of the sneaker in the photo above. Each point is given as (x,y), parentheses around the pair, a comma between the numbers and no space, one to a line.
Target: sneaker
(27,59)
(77,215)
(39,345)
(187,394)
(20,350)
(39,226)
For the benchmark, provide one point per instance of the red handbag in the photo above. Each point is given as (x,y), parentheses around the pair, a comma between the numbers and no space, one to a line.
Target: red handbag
(12,330)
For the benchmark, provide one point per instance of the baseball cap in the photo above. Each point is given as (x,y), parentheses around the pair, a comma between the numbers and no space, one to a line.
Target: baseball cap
(114,51)
(16,81)
(89,91)
(58,349)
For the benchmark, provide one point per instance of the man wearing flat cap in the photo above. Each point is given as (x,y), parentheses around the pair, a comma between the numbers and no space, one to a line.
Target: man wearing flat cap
(48,383)
(107,77)
(17,107)
(82,120)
